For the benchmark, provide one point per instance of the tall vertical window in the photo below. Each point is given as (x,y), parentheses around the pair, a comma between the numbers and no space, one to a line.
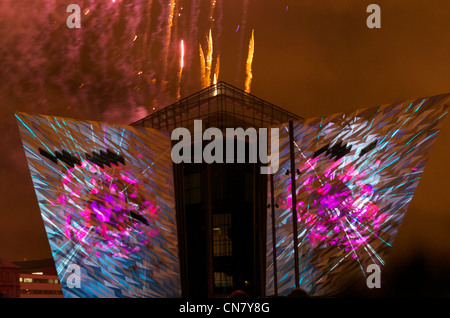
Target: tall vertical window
(193,188)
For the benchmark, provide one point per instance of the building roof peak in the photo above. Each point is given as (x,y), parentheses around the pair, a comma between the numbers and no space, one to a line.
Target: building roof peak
(220,105)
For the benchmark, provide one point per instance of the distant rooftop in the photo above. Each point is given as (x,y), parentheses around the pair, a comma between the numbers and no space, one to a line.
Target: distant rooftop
(221,105)
(4,264)
(47,266)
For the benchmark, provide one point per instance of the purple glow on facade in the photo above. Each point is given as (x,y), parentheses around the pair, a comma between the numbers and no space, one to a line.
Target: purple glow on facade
(112,216)
(337,215)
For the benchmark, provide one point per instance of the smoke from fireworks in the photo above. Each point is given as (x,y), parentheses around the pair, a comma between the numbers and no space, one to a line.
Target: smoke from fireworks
(193,31)
(167,44)
(212,8)
(242,28)
(125,53)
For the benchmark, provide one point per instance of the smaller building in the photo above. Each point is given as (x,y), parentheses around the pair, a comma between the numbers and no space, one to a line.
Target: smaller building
(38,279)
(9,279)
(38,285)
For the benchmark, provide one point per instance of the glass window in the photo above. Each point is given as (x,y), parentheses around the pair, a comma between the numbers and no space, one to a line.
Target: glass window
(192,188)
(221,279)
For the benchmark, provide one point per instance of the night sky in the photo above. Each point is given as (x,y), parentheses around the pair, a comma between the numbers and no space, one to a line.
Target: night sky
(311,57)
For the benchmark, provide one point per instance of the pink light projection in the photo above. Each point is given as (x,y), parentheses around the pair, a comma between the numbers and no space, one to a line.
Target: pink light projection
(337,215)
(337,208)
(105,209)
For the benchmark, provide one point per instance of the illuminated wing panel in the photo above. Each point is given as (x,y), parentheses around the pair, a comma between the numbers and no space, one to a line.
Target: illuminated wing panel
(357,174)
(107,201)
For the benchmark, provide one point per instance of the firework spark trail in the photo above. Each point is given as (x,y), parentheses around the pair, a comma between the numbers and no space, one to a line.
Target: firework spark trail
(181,69)
(206,61)
(170,23)
(216,70)
(202,67)
(251,51)
(216,74)
(209,60)
(209,57)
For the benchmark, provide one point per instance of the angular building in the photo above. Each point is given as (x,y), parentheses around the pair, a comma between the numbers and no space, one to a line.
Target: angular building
(106,198)
(221,207)
(123,220)
(354,175)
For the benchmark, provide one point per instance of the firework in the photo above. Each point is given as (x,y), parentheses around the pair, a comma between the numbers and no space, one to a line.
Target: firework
(181,68)
(209,59)
(202,66)
(251,51)
(216,70)
(206,62)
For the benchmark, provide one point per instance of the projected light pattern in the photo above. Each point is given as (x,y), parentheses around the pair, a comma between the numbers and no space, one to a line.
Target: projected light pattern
(355,176)
(337,217)
(107,202)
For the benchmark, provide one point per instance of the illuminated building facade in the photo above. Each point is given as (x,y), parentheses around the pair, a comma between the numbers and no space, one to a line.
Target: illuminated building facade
(106,199)
(140,226)
(40,286)
(344,185)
